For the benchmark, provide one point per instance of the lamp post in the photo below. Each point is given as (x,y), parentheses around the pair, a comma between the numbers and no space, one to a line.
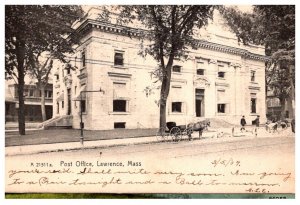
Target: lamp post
(81,122)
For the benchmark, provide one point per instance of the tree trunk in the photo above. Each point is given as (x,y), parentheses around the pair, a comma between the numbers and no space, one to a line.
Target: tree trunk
(282,103)
(43,108)
(162,113)
(20,51)
(292,96)
(164,93)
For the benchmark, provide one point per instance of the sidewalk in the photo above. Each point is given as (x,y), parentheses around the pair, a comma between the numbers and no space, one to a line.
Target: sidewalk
(56,147)
(38,137)
(63,140)
(38,141)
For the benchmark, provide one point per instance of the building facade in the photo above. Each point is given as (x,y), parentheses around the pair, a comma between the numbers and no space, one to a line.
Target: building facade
(32,100)
(221,79)
(274,108)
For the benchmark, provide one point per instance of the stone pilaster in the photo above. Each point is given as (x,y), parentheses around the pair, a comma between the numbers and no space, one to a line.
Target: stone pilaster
(211,92)
(237,92)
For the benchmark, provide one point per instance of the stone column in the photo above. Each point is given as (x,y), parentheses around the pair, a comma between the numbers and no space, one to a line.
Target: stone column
(237,91)
(243,93)
(211,92)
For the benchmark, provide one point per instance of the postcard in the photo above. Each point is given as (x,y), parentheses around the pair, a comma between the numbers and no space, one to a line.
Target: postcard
(150,99)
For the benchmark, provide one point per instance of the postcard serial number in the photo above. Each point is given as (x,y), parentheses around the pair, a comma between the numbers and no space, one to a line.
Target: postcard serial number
(41,164)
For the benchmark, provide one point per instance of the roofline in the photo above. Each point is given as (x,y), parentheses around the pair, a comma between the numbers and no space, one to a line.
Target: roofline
(134,32)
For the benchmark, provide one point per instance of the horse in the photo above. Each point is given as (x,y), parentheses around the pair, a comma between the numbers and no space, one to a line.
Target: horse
(198,126)
(283,124)
(272,127)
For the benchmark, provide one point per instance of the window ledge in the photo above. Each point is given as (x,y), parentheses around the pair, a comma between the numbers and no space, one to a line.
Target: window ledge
(176,73)
(119,113)
(119,67)
(254,82)
(222,114)
(254,114)
(221,78)
(176,113)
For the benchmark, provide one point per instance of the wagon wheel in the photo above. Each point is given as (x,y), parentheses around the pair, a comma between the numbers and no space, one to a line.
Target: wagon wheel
(188,132)
(175,134)
(161,135)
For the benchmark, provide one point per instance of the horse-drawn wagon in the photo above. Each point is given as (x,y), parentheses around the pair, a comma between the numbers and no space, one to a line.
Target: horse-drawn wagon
(176,132)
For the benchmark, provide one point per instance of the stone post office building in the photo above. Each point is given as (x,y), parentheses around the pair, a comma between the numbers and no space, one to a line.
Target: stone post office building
(221,79)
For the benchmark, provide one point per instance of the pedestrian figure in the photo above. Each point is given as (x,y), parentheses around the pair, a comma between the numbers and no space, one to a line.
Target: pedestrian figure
(243,123)
(293,125)
(256,122)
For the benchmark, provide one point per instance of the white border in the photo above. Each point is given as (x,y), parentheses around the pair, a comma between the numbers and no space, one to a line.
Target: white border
(97,2)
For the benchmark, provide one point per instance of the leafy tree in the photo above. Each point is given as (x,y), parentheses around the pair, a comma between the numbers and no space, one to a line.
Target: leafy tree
(274,27)
(40,70)
(169,29)
(30,30)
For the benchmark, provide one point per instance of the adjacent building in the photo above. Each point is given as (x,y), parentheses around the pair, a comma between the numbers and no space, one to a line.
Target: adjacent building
(221,79)
(32,100)
(274,107)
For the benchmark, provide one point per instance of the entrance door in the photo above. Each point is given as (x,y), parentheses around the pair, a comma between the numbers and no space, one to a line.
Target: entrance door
(69,102)
(199,104)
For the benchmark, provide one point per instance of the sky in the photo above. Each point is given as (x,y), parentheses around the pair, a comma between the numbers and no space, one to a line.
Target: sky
(244,8)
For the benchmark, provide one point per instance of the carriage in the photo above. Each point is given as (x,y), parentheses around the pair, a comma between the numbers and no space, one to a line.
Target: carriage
(177,132)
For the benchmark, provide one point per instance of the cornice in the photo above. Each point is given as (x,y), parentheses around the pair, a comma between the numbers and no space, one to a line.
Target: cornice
(89,24)
(108,28)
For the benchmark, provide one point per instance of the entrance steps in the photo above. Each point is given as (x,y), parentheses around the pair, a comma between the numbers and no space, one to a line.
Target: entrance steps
(58,122)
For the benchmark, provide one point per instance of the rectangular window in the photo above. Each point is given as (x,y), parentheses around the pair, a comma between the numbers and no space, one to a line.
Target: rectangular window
(176,69)
(83,58)
(83,105)
(221,108)
(68,70)
(176,106)
(119,105)
(119,125)
(48,94)
(31,93)
(6,108)
(253,105)
(26,93)
(57,77)
(287,114)
(221,74)
(200,71)
(62,104)
(119,59)
(252,76)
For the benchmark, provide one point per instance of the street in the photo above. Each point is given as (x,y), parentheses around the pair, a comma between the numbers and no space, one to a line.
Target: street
(184,149)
